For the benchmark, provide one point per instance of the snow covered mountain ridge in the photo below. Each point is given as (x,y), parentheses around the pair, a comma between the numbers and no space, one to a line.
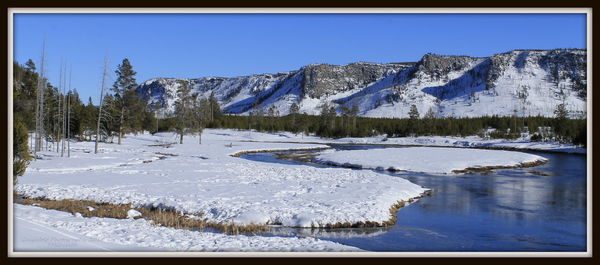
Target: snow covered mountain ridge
(519,82)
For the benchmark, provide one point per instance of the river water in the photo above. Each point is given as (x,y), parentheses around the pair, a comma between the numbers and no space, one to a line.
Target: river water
(541,208)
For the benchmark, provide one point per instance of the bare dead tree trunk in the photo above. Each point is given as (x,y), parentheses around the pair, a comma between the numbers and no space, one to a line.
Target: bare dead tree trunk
(57,127)
(100,107)
(63,127)
(39,110)
(121,122)
(69,114)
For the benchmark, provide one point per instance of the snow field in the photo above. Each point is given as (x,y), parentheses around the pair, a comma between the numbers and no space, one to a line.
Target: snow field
(38,229)
(205,179)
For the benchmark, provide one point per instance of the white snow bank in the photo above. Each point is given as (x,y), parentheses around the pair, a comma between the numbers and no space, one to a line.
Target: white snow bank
(133,214)
(204,178)
(427,159)
(38,229)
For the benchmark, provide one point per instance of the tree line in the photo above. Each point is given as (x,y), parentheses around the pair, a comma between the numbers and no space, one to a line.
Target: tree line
(332,124)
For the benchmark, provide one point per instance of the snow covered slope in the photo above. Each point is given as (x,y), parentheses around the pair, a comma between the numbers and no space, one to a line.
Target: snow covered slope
(521,82)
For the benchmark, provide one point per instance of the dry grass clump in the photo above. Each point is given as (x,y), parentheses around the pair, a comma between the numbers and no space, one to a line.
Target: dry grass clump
(166,145)
(369,224)
(490,168)
(399,204)
(165,154)
(394,213)
(233,229)
(172,218)
(306,156)
(366,224)
(157,216)
(344,165)
(81,206)
(539,173)
(238,154)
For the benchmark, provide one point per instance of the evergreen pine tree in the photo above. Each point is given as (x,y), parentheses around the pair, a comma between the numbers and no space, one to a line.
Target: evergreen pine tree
(30,65)
(88,119)
(294,110)
(561,122)
(414,112)
(215,109)
(430,114)
(21,156)
(127,101)
(413,122)
(184,112)
(354,114)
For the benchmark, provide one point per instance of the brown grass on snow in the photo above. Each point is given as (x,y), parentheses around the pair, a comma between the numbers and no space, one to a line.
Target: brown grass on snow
(158,216)
(172,218)
(238,154)
(489,168)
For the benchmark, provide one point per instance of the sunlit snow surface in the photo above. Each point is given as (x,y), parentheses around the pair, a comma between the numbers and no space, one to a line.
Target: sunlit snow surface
(204,178)
(428,159)
(38,229)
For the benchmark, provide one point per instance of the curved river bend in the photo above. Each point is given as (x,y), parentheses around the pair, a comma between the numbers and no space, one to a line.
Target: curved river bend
(541,208)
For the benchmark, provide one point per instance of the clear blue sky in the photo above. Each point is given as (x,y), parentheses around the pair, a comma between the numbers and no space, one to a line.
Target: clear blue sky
(198,45)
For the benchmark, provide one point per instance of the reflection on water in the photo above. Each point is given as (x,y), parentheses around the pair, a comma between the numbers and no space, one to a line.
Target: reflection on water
(528,209)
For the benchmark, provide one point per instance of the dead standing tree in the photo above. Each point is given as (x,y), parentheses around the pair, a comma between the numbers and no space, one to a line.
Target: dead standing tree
(69,114)
(39,110)
(104,75)
(200,111)
(63,117)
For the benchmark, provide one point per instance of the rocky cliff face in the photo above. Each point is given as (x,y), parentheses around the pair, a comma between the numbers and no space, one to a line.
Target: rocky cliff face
(323,80)
(520,82)
(437,67)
